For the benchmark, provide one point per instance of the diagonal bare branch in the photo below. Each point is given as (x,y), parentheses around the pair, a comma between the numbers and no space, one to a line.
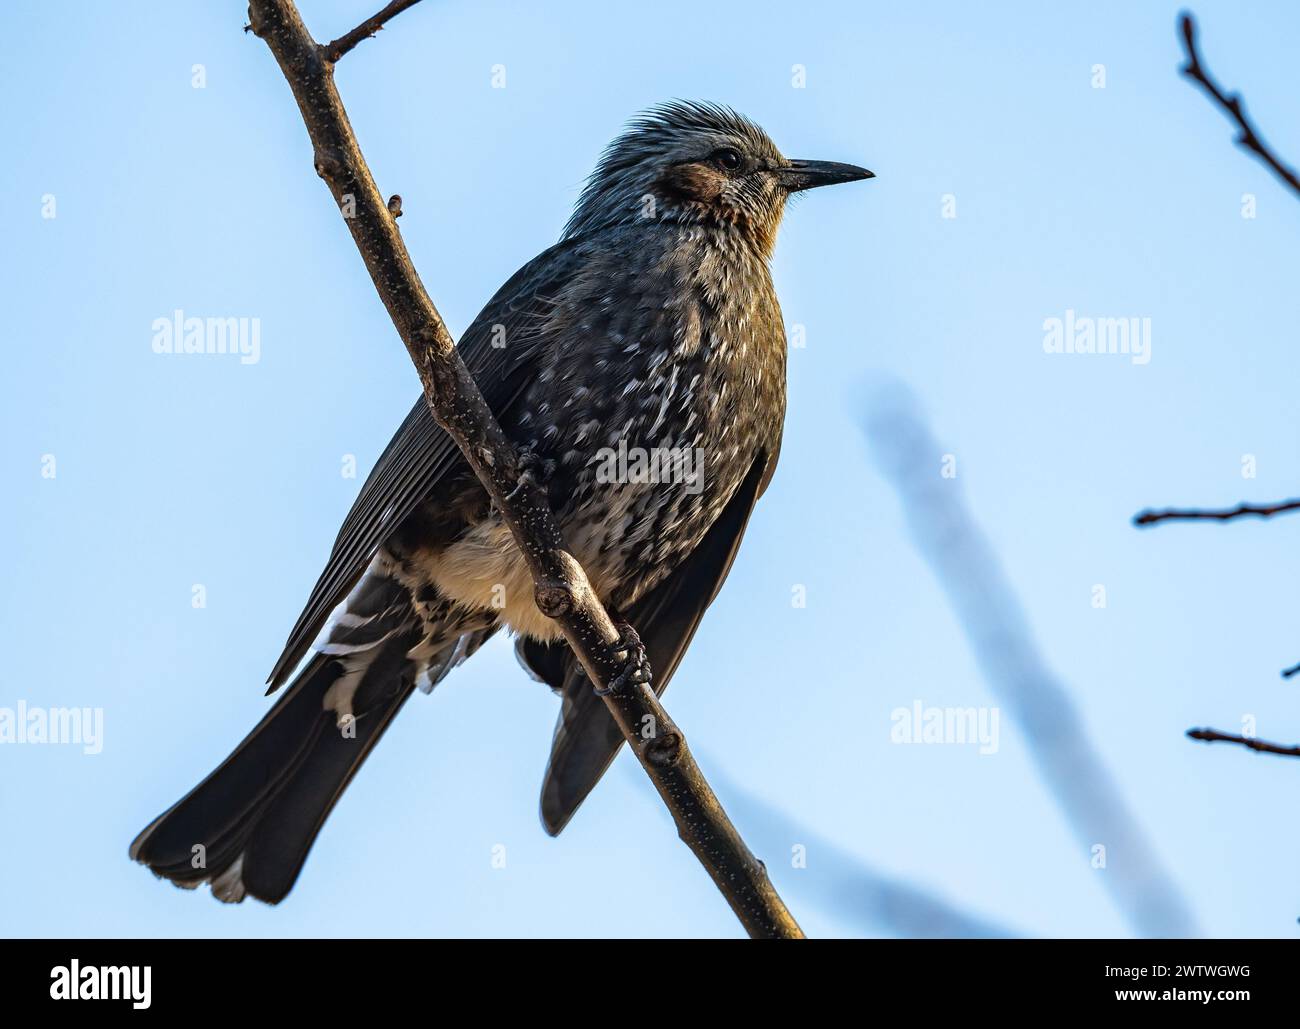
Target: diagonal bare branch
(1248,137)
(561,587)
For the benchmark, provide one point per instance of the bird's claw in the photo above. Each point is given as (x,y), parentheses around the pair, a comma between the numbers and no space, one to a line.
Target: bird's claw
(529,467)
(636,665)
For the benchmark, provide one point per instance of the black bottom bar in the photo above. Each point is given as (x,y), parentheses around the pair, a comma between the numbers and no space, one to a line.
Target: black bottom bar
(243,978)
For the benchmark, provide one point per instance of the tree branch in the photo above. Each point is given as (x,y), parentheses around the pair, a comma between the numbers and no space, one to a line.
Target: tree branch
(368,28)
(1017,672)
(1262,746)
(561,588)
(1232,105)
(1150,517)
(849,889)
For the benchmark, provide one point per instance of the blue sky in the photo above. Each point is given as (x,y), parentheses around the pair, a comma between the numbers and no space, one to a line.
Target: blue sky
(1122,201)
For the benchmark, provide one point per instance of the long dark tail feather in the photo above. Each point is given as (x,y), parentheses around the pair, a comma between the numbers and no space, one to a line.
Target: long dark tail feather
(247,828)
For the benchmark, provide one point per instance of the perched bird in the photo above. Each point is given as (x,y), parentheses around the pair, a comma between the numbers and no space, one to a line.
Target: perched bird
(650,329)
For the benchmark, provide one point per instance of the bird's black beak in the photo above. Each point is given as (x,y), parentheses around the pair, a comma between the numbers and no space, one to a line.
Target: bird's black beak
(800,175)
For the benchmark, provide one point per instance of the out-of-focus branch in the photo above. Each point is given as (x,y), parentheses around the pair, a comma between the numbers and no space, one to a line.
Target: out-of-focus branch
(985,602)
(1231,103)
(849,889)
(1262,746)
(1243,510)
(562,590)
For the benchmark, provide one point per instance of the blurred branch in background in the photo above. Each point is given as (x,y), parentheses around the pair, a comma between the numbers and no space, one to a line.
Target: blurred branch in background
(971,575)
(1232,105)
(846,888)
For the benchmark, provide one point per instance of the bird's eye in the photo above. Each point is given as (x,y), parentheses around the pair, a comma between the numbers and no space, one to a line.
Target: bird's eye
(727,159)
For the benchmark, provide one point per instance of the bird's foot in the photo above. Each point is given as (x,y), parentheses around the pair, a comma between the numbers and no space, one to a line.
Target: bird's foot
(533,471)
(636,663)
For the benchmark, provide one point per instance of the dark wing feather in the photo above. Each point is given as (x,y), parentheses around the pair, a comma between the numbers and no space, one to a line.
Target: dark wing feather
(586,736)
(421,453)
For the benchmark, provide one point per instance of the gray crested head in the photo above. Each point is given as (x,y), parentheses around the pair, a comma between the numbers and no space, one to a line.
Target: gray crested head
(690,161)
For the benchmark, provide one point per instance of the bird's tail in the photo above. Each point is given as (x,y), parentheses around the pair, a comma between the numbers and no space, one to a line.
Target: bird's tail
(248,826)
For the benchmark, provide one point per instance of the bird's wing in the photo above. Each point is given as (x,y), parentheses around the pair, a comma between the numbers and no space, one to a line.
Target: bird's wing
(586,737)
(496,348)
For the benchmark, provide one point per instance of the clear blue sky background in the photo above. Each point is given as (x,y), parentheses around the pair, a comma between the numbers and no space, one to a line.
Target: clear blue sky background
(175,471)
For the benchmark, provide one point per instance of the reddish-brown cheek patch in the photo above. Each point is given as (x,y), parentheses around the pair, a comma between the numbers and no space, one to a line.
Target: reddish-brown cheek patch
(694,181)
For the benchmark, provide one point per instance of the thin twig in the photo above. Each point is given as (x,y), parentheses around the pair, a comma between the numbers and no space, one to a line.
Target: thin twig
(562,590)
(1249,139)
(340,46)
(1233,106)
(1243,510)
(1263,746)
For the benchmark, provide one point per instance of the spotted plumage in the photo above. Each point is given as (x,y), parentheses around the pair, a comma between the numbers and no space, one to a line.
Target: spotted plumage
(649,337)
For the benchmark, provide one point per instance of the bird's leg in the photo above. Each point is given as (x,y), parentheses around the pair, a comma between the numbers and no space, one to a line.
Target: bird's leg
(636,664)
(532,470)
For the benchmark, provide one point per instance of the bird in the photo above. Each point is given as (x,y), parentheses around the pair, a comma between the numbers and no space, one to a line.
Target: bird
(639,367)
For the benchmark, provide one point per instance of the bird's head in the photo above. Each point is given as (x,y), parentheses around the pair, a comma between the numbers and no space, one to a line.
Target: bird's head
(698,162)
